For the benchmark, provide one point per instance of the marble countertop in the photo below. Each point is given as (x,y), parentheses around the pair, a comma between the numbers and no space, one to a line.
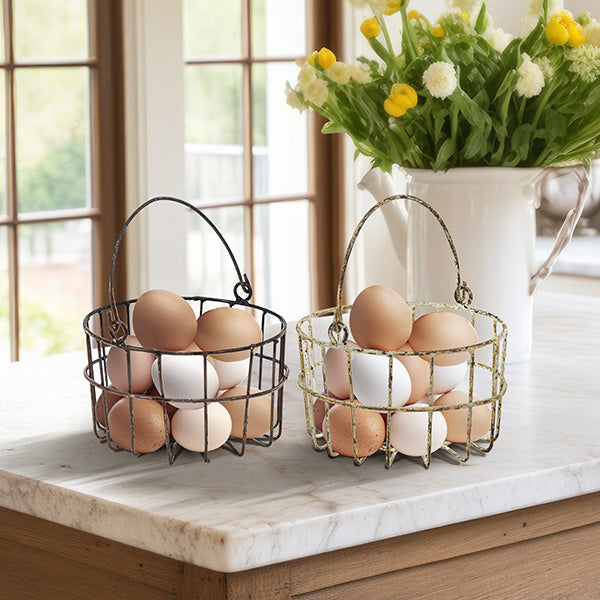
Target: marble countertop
(289,501)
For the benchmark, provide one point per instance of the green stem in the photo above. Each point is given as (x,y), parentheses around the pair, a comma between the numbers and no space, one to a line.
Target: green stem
(386,34)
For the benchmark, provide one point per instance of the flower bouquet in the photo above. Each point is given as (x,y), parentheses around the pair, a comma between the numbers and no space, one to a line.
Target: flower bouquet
(461,92)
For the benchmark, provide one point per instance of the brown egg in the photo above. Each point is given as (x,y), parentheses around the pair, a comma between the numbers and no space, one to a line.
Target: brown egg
(148,425)
(418,371)
(141,367)
(441,331)
(111,400)
(319,412)
(163,320)
(336,364)
(171,410)
(370,431)
(259,413)
(481,419)
(380,319)
(227,327)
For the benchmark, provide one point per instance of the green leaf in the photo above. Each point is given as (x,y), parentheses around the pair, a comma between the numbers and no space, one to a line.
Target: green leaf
(331,127)
(521,141)
(445,152)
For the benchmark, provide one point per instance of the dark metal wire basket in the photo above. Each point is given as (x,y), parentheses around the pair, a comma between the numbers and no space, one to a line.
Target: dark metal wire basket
(320,331)
(108,326)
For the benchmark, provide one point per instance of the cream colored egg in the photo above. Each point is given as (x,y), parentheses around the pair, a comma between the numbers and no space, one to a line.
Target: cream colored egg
(456,419)
(336,366)
(185,377)
(259,413)
(418,371)
(408,432)
(188,427)
(446,378)
(139,361)
(231,373)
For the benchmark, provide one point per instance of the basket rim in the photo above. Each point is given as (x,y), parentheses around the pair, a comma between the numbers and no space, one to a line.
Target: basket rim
(430,354)
(121,344)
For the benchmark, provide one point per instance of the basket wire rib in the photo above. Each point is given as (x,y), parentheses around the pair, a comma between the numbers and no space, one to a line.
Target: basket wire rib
(313,370)
(105,328)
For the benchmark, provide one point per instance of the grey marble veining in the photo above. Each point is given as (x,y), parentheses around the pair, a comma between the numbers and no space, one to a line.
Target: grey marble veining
(288,501)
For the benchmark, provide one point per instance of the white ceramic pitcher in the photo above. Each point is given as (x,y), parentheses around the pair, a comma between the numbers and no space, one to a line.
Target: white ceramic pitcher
(490,214)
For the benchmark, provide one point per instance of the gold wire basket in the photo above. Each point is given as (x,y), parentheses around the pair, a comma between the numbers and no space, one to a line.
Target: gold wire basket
(326,329)
(108,327)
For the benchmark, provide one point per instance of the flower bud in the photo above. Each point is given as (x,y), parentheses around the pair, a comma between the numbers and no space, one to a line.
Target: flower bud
(370,28)
(437,31)
(326,58)
(398,108)
(403,89)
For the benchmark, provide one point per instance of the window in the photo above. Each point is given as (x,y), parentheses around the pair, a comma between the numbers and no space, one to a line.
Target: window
(59,157)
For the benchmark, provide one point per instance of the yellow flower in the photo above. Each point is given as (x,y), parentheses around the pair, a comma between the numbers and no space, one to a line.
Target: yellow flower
(312,59)
(392,6)
(437,31)
(326,58)
(413,15)
(370,28)
(465,17)
(404,90)
(563,29)
(397,108)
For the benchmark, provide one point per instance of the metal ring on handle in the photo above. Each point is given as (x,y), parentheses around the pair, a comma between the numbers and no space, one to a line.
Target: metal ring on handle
(462,294)
(117,328)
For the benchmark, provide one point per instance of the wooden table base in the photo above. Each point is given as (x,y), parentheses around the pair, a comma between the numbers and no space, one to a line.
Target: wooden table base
(547,552)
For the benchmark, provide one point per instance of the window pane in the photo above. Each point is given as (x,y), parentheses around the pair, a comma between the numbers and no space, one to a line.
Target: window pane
(3,168)
(212,29)
(272,33)
(52,132)
(213,133)
(55,286)
(281,256)
(210,269)
(280,161)
(4,301)
(53,29)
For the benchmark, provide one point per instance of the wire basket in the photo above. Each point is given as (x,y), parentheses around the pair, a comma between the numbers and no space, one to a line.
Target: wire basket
(108,327)
(326,329)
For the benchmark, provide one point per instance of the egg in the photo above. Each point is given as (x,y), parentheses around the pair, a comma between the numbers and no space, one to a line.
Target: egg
(259,413)
(148,425)
(231,373)
(447,378)
(227,327)
(187,427)
(171,410)
(441,331)
(336,365)
(370,375)
(408,432)
(111,400)
(370,430)
(319,413)
(380,319)
(163,320)
(456,420)
(418,371)
(184,377)
(140,362)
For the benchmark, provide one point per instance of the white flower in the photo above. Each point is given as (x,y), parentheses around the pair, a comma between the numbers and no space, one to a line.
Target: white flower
(531,79)
(471,7)
(339,72)
(306,76)
(497,38)
(532,14)
(360,73)
(292,99)
(440,79)
(591,33)
(316,92)
(543,62)
(585,62)
(358,3)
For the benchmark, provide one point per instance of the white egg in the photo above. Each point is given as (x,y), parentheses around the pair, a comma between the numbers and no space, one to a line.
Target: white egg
(183,376)
(446,378)
(408,432)
(187,427)
(370,375)
(231,373)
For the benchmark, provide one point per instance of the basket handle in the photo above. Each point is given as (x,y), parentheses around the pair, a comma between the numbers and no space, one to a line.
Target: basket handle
(117,328)
(462,293)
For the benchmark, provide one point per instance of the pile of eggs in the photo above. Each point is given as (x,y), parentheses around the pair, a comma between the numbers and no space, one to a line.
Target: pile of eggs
(380,319)
(165,322)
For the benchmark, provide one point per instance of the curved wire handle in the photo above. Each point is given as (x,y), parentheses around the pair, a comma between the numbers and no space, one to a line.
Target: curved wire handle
(462,294)
(117,328)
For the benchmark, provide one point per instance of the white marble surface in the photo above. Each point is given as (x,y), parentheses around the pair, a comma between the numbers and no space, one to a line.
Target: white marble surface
(289,501)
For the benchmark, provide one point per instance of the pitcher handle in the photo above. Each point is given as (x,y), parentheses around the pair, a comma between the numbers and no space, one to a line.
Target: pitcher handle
(566,230)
